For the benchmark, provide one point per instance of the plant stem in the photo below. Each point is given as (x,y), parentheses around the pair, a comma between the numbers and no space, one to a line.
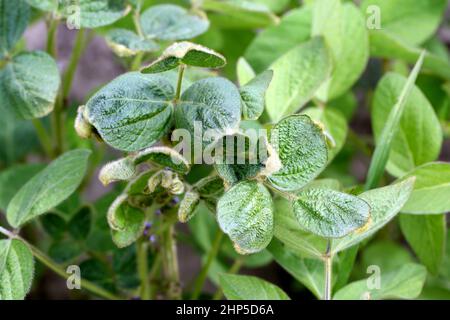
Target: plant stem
(142,266)
(200,280)
(136,64)
(179,82)
(328,263)
(51,37)
(43,136)
(153,273)
(77,52)
(170,263)
(137,61)
(234,269)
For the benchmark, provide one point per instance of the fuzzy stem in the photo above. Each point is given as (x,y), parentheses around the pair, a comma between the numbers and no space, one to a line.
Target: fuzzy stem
(142,266)
(328,263)
(170,263)
(77,52)
(179,82)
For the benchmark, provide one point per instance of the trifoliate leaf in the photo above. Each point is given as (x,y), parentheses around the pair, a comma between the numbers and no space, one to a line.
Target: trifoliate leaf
(253,94)
(126,43)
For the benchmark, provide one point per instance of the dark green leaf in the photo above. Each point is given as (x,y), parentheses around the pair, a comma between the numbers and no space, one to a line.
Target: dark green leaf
(14,17)
(237,287)
(253,94)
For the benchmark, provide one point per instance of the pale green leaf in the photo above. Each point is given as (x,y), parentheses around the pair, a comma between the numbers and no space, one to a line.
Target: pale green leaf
(49,187)
(44,5)
(126,43)
(188,206)
(14,16)
(16,269)
(253,94)
(244,71)
(236,287)
(245,213)
(119,170)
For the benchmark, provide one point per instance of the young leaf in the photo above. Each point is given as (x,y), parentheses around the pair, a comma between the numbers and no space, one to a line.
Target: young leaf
(381,154)
(298,74)
(188,206)
(126,43)
(431,190)
(253,94)
(168,22)
(164,157)
(302,149)
(14,17)
(119,170)
(403,283)
(426,234)
(49,187)
(329,213)
(16,269)
(211,186)
(236,287)
(133,111)
(187,53)
(384,204)
(44,5)
(419,135)
(30,92)
(244,71)
(245,213)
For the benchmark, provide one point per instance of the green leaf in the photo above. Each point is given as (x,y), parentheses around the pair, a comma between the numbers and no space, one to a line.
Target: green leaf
(403,283)
(383,148)
(253,94)
(126,43)
(81,223)
(302,149)
(54,225)
(210,186)
(65,250)
(98,272)
(413,21)
(245,213)
(426,234)
(44,5)
(119,170)
(30,92)
(329,213)
(133,111)
(187,53)
(48,188)
(164,157)
(385,254)
(236,287)
(16,269)
(431,190)
(14,16)
(274,41)
(168,22)
(244,71)
(334,125)
(214,103)
(384,204)
(13,178)
(298,74)
(188,206)
(418,138)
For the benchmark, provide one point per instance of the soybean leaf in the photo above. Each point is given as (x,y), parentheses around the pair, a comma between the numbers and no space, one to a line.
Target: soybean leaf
(44,5)
(298,74)
(126,43)
(29,92)
(98,272)
(119,170)
(302,149)
(418,138)
(164,157)
(413,21)
(133,111)
(210,186)
(170,22)
(385,254)
(212,103)
(14,16)
(64,250)
(384,204)
(274,41)
(244,71)
(426,234)
(16,269)
(188,206)
(403,283)
(81,223)
(430,194)
(236,287)
(253,94)
(48,188)
(13,178)
(54,225)
(329,213)
(245,213)
(334,124)
(187,53)
(383,148)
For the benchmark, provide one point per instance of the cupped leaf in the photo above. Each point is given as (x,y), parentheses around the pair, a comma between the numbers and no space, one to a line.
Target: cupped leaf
(384,204)
(431,190)
(188,206)
(187,53)
(419,135)
(426,234)
(403,283)
(245,213)
(126,43)
(237,287)
(298,74)
(170,22)
(30,92)
(212,105)
(164,157)
(329,213)
(14,17)
(253,94)
(48,188)
(133,111)
(16,269)
(44,5)
(211,186)
(302,149)
(119,170)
